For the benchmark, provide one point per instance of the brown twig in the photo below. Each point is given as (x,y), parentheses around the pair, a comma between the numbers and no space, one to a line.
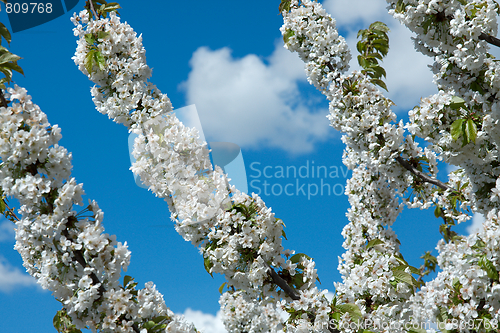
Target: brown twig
(10,211)
(283,285)
(489,39)
(3,102)
(422,175)
(92,9)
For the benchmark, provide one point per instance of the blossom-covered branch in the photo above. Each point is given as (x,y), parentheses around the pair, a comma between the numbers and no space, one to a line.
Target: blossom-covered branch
(238,235)
(68,252)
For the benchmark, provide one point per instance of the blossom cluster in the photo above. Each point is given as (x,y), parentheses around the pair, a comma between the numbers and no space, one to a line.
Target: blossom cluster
(68,253)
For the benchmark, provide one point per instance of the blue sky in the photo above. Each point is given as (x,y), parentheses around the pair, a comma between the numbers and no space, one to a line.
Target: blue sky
(228,59)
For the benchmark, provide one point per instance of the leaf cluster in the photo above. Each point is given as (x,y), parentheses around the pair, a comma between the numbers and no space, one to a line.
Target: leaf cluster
(101,8)
(8,61)
(465,127)
(94,56)
(373,46)
(63,323)
(284,6)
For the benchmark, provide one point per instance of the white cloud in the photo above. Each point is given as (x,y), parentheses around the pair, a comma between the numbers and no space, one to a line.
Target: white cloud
(253,103)
(6,230)
(204,322)
(408,77)
(12,277)
(477,224)
(353,12)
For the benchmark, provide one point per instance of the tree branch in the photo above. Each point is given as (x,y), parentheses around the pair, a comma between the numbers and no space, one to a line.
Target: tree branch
(489,39)
(282,284)
(92,9)
(422,175)
(3,102)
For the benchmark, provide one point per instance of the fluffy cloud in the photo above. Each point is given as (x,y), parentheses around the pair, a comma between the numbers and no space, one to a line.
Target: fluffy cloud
(12,277)
(204,322)
(477,224)
(6,230)
(254,103)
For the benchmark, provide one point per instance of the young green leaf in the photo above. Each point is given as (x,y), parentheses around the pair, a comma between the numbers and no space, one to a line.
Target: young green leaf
(4,32)
(456,129)
(208,266)
(89,61)
(379,83)
(401,276)
(352,309)
(286,36)
(374,242)
(456,103)
(8,57)
(298,257)
(284,6)
(471,130)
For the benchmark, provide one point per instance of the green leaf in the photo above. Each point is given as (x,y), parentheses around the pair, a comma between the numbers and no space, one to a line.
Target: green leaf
(159,319)
(352,309)
(362,61)
(374,242)
(2,205)
(379,83)
(14,66)
(380,26)
(208,266)
(437,211)
(283,234)
(471,130)
(90,39)
(475,86)
(456,103)
(489,267)
(8,74)
(361,46)
(298,280)
(7,57)
(221,288)
(400,7)
(298,257)
(126,280)
(456,129)
(286,36)
(414,270)
(401,276)
(112,7)
(375,55)
(284,6)
(5,33)
(103,35)
(89,61)
(100,60)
